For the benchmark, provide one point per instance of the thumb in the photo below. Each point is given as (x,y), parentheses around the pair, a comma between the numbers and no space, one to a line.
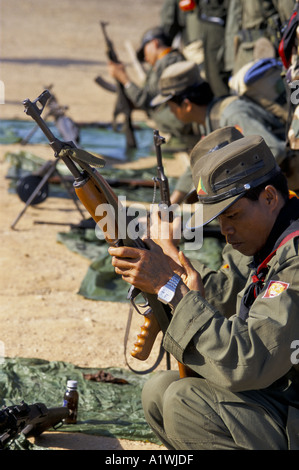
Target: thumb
(185,262)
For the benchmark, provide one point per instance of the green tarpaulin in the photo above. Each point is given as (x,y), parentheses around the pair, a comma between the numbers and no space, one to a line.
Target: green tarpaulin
(105,409)
(100,139)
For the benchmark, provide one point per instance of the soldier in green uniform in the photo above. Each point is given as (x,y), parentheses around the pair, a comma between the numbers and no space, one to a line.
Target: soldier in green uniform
(189,98)
(242,348)
(247,23)
(155,50)
(201,24)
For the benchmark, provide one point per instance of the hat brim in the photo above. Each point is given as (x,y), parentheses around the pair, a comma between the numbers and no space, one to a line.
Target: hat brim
(205,213)
(160,99)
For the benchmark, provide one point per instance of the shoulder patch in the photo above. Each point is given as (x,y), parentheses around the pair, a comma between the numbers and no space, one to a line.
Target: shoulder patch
(275,288)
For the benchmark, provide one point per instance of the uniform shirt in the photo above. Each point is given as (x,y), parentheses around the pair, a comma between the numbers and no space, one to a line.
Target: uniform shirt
(208,335)
(142,96)
(251,119)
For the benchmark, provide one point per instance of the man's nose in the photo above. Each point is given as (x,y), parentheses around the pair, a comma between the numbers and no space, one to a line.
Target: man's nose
(225,226)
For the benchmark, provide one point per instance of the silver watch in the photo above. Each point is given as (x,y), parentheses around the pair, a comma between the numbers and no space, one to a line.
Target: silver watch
(166,293)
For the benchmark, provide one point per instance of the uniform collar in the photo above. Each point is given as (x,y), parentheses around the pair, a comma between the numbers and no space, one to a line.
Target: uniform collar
(288,214)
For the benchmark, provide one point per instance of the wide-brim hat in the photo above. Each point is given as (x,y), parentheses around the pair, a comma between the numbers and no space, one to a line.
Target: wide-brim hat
(223,171)
(149,35)
(176,79)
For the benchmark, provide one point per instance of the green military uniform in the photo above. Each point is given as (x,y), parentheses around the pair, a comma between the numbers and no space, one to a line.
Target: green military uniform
(240,112)
(251,119)
(247,116)
(185,23)
(232,365)
(205,26)
(212,26)
(246,394)
(249,21)
(291,62)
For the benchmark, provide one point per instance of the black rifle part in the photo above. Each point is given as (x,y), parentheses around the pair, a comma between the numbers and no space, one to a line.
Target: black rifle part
(68,152)
(123,104)
(30,420)
(66,126)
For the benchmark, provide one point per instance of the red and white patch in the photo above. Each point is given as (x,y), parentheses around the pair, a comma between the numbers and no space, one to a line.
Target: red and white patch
(275,288)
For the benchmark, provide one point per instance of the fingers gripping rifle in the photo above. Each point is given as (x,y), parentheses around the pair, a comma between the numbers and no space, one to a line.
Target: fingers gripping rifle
(144,341)
(30,420)
(123,104)
(104,207)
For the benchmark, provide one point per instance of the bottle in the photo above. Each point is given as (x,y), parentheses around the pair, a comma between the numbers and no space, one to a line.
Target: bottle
(70,400)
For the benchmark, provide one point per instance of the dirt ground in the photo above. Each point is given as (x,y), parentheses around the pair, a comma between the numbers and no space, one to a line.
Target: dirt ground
(59,42)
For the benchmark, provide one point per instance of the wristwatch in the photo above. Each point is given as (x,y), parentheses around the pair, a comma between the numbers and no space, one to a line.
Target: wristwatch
(167,292)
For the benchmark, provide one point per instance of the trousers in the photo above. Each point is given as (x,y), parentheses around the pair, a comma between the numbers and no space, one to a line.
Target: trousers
(193,414)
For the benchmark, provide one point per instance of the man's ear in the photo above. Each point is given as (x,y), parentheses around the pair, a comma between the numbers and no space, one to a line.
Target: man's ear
(271,197)
(187,105)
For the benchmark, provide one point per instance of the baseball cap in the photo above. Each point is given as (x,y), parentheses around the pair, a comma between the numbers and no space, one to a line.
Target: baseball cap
(176,79)
(149,35)
(223,173)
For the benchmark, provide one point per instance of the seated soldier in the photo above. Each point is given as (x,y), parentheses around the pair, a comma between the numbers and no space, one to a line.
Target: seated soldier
(241,345)
(156,51)
(191,100)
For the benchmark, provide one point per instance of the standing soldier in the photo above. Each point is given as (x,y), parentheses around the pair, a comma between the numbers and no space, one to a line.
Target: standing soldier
(289,52)
(201,24)
(253,30)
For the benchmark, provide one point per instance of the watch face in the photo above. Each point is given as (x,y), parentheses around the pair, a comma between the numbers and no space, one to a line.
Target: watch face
(166,294)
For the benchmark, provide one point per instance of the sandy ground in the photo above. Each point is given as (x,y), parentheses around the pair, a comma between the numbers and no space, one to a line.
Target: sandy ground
(59,42)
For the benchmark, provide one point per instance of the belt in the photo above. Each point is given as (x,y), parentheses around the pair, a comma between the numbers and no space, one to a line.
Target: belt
(212,19)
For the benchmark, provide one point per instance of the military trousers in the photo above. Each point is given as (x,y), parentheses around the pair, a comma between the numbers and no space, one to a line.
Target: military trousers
(192,414)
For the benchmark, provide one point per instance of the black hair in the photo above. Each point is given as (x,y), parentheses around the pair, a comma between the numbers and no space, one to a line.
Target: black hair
(279,182)
(200,94)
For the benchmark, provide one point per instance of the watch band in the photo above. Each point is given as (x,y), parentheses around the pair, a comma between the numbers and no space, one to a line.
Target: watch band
(167,292)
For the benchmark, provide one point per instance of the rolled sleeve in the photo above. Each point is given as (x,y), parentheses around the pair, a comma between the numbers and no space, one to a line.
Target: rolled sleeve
(190,317)
(241,355)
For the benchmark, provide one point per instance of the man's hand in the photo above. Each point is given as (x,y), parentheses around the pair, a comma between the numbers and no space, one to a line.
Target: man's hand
(190,276)
(118,72)
(148,270)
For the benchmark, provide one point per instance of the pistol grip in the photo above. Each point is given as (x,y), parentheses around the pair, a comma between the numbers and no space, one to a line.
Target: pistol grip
(146,338)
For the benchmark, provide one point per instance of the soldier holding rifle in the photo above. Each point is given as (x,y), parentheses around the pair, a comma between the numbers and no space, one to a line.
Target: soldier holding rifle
(236,329)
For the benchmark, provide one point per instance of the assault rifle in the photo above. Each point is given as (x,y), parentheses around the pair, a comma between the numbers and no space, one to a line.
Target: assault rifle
(123,104)
(30,420)
(65,125)
(107,211)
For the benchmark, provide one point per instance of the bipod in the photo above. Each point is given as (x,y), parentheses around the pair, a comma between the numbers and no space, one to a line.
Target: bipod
(49,169)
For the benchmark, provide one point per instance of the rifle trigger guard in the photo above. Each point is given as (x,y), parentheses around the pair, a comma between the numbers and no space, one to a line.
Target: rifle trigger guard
(132,294)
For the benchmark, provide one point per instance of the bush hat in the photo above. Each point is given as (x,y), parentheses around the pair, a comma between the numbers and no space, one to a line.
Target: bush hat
(176,79)
(223,171)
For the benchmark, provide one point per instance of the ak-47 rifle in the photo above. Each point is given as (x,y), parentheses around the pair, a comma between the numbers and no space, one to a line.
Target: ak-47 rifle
(123,104)
(107,211)
(142,347)
(30,420)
